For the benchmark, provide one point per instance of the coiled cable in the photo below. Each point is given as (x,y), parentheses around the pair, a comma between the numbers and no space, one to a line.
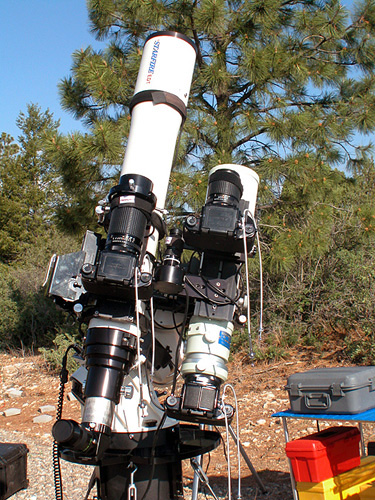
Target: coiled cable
(60,402)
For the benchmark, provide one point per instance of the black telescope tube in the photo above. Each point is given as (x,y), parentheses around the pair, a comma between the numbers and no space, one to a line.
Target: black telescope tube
(109,355)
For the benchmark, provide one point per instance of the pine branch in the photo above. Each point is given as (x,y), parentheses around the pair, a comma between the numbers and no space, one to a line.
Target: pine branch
(249,137)
(207,104)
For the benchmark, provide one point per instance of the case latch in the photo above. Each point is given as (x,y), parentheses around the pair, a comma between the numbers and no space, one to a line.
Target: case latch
(295,390)
(336,390)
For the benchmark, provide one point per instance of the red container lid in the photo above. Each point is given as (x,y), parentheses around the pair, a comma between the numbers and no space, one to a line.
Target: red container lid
(320,441)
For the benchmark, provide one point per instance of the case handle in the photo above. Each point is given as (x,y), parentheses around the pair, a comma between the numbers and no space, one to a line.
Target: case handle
(317,400)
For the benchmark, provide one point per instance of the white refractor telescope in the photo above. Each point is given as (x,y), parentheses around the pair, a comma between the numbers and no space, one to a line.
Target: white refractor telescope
(138,305)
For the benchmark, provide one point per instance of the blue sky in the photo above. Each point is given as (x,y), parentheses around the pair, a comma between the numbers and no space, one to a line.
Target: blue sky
(37,39)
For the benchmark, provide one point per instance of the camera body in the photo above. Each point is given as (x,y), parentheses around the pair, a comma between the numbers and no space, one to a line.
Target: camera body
(219,227)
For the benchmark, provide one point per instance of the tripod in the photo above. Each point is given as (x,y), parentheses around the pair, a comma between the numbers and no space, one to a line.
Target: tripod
(200,476)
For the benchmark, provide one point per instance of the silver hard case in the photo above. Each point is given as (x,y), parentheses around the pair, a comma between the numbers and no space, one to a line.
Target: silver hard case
(341,390)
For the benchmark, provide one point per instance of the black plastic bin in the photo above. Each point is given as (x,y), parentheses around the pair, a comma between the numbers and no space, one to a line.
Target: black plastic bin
(13,468)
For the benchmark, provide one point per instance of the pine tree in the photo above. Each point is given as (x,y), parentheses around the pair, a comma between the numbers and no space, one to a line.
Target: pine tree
(31,196)
(275,81)
(284,87)
(30,189)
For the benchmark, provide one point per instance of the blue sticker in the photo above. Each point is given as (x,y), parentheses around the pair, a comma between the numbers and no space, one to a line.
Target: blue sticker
(224,339)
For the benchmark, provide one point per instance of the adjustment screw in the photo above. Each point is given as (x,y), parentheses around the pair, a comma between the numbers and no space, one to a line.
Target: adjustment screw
(87,268)
(201,366)
(191,220)
(145,277)
(242,319)
(78,308)
(171,400)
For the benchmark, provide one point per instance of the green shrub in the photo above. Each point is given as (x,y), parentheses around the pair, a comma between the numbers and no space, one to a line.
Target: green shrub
(54,356)
(29,319)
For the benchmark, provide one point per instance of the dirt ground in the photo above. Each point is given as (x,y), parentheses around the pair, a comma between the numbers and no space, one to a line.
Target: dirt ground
(260,393)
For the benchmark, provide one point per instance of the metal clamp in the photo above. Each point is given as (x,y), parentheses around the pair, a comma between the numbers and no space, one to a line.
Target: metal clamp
(132,489)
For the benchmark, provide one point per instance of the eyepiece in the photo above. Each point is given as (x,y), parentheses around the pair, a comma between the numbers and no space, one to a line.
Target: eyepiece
(71,435)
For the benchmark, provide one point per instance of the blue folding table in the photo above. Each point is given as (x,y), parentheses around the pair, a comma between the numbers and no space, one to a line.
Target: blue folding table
(359,418)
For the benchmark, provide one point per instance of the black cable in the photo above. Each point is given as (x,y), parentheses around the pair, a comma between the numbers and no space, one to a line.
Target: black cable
(175,325)
(179,343)
(219,292)
(57,471)
(191,258)
(206,297)
(60,402)
(222,442)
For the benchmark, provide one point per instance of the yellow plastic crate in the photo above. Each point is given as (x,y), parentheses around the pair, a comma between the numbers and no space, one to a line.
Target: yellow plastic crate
(346,486)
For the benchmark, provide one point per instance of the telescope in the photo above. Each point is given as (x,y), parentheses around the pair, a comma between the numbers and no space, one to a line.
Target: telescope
(152,316)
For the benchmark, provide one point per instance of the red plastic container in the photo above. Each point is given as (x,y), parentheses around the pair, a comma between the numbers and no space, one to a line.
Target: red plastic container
(324,454)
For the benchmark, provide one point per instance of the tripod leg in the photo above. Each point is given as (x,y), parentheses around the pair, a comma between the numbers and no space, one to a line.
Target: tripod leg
(94,479)
(247,459)
(201,475)
(195,487)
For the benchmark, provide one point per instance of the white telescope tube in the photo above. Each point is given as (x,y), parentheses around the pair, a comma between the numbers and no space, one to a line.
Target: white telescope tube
(158,108)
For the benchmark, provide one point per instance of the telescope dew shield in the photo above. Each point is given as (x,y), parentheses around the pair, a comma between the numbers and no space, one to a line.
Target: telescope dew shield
(158,108)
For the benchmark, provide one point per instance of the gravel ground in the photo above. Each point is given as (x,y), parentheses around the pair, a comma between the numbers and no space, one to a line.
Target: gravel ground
(76,477)
(40,472)
(260,393)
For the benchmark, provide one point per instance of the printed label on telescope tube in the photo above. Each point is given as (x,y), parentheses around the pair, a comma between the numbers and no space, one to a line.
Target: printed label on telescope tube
(127,199)
(224,339)
(154,55)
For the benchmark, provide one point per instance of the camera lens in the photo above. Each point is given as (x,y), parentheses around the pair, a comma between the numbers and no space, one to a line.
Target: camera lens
(224,188)
(132,202)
